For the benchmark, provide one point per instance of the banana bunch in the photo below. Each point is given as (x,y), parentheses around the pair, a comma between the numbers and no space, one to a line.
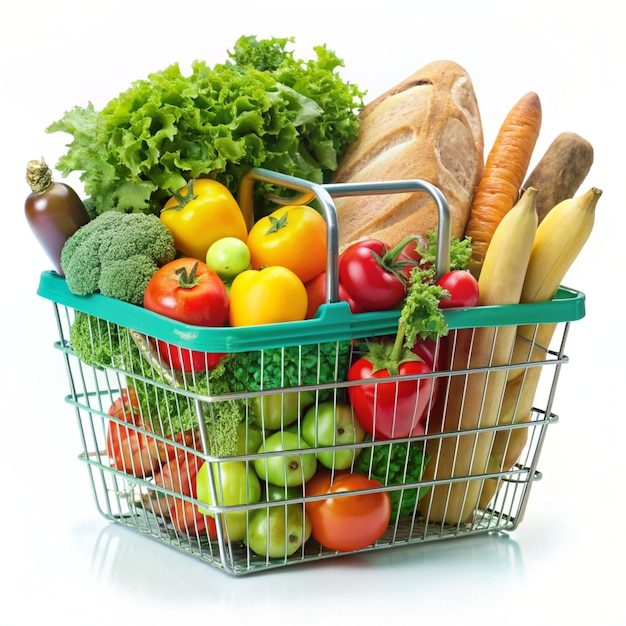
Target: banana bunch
(473,399)
(526,261)
(560,237)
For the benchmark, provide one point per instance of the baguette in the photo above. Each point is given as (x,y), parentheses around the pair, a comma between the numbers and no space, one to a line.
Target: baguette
(427,127)
(509,444)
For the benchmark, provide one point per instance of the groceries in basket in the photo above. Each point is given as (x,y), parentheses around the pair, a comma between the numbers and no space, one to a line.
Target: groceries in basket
(304,336)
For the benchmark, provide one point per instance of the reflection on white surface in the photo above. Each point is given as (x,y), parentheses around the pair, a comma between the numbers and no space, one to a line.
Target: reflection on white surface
(140,568)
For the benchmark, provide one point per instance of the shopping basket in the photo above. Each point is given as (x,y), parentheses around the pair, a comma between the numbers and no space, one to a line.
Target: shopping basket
(121,386)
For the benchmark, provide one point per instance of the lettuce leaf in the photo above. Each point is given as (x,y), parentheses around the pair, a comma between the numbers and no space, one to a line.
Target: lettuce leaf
(262,107)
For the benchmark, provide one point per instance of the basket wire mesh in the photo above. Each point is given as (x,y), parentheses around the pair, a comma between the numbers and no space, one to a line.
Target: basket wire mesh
(143,496)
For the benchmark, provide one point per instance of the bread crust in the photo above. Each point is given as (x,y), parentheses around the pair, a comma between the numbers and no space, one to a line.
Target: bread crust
(427,127)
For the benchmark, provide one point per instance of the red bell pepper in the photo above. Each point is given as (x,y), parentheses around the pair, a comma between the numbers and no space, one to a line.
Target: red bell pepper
(392,409)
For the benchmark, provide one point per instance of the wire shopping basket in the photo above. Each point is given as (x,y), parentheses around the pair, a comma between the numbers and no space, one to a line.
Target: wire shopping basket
(163,449)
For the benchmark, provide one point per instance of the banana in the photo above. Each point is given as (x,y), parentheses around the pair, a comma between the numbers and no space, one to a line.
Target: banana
(473,400)
(560,237)
(509,251)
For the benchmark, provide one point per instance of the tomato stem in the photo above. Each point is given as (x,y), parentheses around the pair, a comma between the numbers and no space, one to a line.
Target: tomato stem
(187,280)
(393,254)
(398,344)
(390,261)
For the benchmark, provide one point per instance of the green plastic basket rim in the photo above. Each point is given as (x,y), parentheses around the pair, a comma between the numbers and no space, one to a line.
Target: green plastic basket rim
(333,322)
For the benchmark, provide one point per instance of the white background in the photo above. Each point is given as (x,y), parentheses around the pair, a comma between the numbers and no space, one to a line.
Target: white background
(59,560)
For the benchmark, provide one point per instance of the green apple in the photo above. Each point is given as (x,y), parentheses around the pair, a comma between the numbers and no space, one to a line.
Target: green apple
(228,257)
(279,410)
(249,438)
(331,424)
(235,484)
(278,531)
(285,470)
(273,493)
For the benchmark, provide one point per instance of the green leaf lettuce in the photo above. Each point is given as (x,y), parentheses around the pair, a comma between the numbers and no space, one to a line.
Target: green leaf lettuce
(260,108)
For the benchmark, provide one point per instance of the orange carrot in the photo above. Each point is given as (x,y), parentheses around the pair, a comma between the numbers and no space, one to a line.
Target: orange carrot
(503,176)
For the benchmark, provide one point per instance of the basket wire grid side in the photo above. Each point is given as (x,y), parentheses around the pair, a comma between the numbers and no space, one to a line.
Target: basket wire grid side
(146,499)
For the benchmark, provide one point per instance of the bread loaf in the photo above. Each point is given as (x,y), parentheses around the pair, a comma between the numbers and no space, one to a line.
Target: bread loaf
(427,127)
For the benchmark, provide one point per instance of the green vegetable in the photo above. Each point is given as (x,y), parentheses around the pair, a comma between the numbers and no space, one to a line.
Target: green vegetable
(268,369)
(116,254)
(291,366)
(101,344)
(262,107)
(421,315)
(396,464)
(460,251)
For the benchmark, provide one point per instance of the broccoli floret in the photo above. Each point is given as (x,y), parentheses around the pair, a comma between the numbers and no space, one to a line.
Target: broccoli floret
(97,342)
(116,254)
(396,463)
(127,279)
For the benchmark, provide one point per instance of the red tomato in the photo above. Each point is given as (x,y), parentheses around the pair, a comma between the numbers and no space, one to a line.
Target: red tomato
(178,473)
(463,289)
(410,250)
(131,450)
(346,523)
(185,360)
(188,438)
(316,293)
(410,253)
(187,519)
(394,409)
(371,277)
(189,291)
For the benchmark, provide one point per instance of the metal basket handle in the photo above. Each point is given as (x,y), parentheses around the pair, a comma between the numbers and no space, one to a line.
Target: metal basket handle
(324,194)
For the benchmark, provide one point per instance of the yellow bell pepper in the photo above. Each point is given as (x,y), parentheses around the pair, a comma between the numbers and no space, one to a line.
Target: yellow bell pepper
(201,213)
(270,295)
